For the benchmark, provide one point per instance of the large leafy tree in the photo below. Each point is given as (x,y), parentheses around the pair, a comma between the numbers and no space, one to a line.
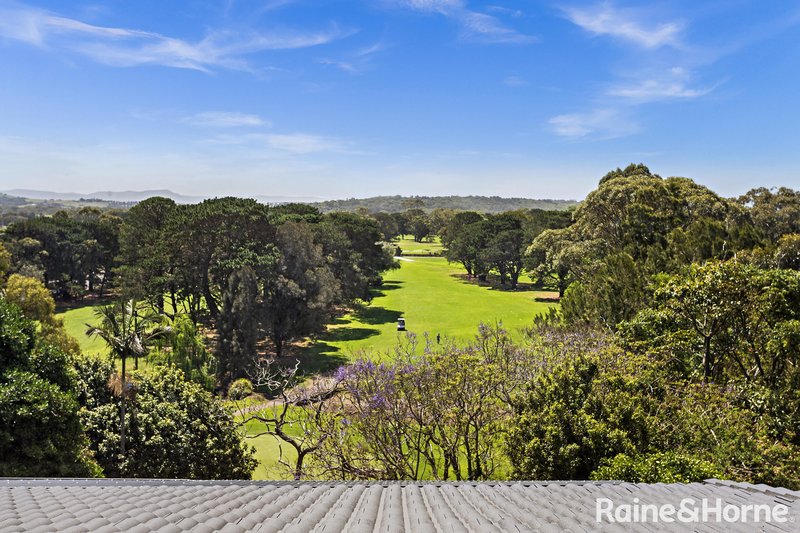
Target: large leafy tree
(506,246)
(208,241)
(175,430)
(147,267)
(466,244)
(40,432)
(36,303)
(723,321)
(586,404)
(238,326)
(298,298)
(661,224)
(75,250)
(774,212)
(356,255)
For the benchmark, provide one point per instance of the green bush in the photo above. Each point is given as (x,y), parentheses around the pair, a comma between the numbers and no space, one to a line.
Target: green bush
(174,429)
(240,389)
(668,467)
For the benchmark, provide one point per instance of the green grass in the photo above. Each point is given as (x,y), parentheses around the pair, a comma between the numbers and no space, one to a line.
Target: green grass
(426,247)
(268,450)
(431,295)
(75,319)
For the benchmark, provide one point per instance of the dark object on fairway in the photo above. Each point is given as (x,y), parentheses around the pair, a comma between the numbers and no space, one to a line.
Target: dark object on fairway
(438,338)
(401,324)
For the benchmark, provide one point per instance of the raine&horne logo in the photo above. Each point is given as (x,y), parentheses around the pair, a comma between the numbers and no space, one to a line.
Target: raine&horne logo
(690,510)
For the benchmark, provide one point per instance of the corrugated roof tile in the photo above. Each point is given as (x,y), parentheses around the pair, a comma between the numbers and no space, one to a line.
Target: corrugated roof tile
(391,507)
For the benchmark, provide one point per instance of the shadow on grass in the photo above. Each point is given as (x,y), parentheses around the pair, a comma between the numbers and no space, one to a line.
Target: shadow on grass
(376,315)
(493,284)
(63,306)
(320,357)
(386,286)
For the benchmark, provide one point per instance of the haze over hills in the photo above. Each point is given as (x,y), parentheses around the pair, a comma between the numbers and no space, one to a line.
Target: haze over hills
(138,196)
(486,204)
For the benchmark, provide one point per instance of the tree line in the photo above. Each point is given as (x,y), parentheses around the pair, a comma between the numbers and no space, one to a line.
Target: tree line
(674,357)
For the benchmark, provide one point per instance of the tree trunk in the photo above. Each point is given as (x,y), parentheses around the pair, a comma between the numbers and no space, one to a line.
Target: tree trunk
(706,359)
(124,391)
(211,303)
(298,467)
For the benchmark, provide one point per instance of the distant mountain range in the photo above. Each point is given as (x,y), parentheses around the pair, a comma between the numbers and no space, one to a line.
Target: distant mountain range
(138,196)
(52,201)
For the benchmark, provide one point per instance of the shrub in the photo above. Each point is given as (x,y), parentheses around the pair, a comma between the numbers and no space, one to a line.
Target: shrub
(666,467)
(240,389)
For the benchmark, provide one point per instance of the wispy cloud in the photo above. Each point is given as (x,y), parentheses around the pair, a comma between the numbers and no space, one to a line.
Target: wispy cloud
(671,86)
(303,143)
(224,119)
(515,81)
(655,42)
(607,123)
(625,24)
(355,62)
(287,143)
(131,47)
(474,24)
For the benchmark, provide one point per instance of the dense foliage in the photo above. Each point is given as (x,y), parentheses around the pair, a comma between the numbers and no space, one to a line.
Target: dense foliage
(40,432)
(483,204)
(175,429)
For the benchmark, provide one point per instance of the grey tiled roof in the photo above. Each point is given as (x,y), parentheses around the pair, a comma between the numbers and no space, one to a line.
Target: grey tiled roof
(173,505)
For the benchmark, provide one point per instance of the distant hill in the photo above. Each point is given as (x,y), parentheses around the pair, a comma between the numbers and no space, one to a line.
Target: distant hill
(483,204)
(137,196)
(104,196)
(11,201)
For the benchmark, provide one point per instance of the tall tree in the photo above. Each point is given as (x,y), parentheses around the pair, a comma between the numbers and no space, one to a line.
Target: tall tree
(299,296)
(127,328)
(147,263)
(237,326)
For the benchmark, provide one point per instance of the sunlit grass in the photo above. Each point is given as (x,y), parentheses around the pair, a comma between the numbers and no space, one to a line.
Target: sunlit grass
(429,246)
(434,299)
(75,319)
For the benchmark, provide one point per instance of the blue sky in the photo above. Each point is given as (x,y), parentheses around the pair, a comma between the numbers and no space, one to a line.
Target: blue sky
(336,98)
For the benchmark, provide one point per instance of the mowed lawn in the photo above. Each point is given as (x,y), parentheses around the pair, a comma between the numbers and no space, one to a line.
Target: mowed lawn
(433,298)
(431,246)
(75,320)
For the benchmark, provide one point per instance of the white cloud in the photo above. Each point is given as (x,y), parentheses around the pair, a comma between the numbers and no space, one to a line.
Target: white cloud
(654,90)
(357,61)
(607,123)
(341,65)
(129,47)
(224,119)
(474,25)
(672,85)
(303,143)
(626,24)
